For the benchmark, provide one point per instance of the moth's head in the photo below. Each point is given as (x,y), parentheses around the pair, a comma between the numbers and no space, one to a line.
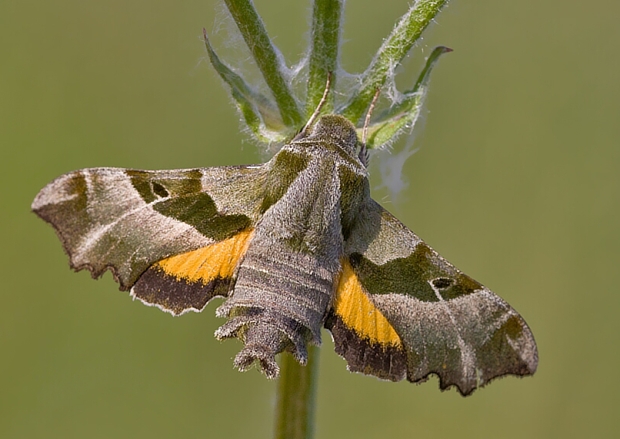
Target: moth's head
(336,129)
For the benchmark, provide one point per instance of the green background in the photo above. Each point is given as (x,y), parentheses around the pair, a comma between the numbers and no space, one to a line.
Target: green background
(516,182)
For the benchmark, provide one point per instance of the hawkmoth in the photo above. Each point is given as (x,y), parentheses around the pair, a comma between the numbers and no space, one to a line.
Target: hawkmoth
(292,245)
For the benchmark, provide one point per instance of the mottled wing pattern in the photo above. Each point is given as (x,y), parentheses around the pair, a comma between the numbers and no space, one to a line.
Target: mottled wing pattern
(174,236)
(402,311)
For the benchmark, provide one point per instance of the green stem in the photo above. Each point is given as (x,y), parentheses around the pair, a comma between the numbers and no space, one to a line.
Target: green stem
(268,59)
(295,398)
(326,23)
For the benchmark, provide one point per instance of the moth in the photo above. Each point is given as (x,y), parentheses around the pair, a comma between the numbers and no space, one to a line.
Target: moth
(292,245)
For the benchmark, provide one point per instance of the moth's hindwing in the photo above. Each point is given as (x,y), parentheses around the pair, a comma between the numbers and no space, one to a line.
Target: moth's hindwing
(401,310)
(363,336)
(171,221)
(186,282)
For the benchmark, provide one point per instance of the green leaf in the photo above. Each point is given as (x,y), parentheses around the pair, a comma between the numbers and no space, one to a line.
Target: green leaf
(258,111)
(268,59)
(390,54)
(393,121)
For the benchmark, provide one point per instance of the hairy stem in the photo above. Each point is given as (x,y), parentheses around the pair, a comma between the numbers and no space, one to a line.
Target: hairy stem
(326,23)
(267,57)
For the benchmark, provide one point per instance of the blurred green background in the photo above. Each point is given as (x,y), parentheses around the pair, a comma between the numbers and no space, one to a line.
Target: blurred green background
(516,182)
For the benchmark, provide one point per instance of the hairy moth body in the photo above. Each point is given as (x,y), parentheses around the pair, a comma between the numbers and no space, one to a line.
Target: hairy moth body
(293,245)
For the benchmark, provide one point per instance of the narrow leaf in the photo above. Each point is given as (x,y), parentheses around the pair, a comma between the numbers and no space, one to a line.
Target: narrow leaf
(259,113)
(394,120)
(325,41)
(268,59)
(390,54)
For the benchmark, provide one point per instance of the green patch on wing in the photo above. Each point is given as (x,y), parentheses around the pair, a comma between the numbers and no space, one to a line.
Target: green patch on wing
(499,355)
(285,169)
(353,189)
(151,189)
(188,203)
(411,275)
(72,190)
(199,211)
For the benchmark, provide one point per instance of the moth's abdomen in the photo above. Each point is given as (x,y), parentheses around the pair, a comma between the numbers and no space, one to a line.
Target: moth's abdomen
(278,303)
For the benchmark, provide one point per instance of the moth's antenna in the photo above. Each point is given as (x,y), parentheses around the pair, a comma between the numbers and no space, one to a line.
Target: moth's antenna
(322,102)
(368,114)
(363,155)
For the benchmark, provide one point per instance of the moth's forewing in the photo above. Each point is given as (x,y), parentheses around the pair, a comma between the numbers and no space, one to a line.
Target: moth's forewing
(127,220)
(447,323)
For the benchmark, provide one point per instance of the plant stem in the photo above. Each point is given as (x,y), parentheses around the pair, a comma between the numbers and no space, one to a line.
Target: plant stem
(267,57)
(325,38)
(295,397)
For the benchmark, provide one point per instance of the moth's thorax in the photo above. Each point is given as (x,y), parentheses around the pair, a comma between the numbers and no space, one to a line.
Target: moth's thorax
(333,141)
(328,153)
(334,131)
